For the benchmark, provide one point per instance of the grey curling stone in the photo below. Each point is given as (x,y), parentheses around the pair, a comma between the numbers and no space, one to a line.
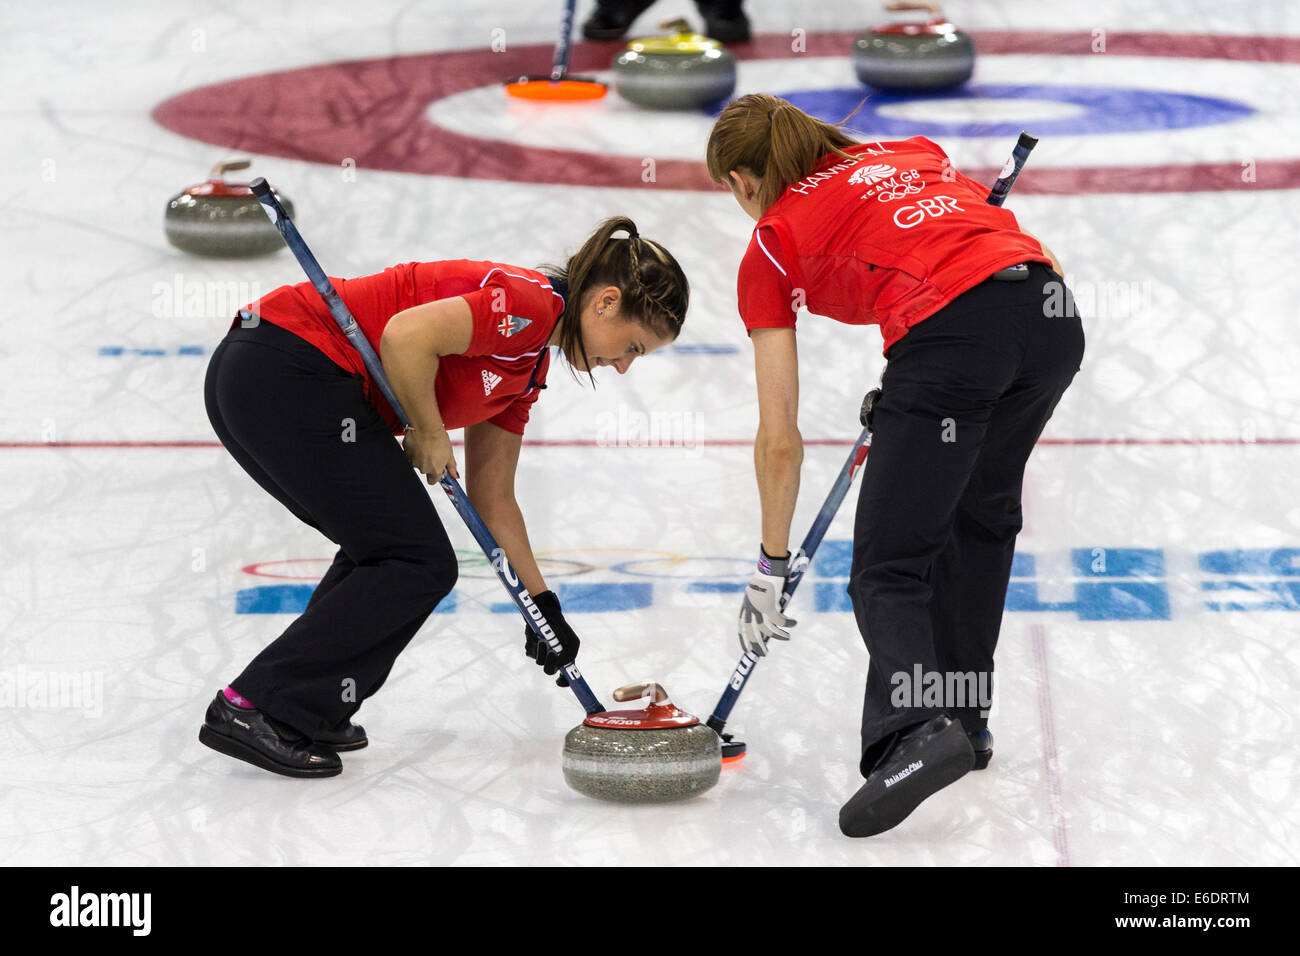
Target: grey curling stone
(222,219)
(684,71)
(654,755)
(934,55)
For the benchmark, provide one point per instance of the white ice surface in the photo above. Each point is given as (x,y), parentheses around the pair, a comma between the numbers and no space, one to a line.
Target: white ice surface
(1118,741)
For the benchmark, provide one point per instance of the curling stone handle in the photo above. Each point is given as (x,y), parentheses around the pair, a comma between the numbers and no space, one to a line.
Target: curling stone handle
(230,166)
(930,8)
(650,689)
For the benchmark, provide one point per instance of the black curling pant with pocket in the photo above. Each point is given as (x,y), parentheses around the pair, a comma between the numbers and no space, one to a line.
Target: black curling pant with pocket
(965,395)
(302,429)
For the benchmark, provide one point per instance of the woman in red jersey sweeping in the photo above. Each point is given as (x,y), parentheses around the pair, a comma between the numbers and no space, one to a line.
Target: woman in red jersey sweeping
(464,344)
(979,354)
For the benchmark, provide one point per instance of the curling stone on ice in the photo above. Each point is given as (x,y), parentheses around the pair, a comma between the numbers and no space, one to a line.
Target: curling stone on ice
(684,71)
(929,55)
(222,219)
(642,756)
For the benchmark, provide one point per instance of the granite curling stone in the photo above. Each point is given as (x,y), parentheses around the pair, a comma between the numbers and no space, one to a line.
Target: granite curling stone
(222,219)
(684,71)
(932,55)
(654,755)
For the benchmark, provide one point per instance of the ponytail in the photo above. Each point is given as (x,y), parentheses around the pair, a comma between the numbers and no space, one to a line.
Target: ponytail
(655,290)
(774,140)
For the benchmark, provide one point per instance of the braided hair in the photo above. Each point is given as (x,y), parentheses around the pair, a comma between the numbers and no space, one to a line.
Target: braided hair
(655,291)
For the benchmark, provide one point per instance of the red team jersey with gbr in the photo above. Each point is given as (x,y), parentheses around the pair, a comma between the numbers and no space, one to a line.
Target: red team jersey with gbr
(497,380)
(888,238)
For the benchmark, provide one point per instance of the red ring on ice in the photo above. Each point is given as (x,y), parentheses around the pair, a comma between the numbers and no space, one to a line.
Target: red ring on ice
(374,112)
(256,569)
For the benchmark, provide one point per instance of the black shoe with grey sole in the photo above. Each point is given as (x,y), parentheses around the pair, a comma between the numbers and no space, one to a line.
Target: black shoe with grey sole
(253,737)
(346,736)
(923,759)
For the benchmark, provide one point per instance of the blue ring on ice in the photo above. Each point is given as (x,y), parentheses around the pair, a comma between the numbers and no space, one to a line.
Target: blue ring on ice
(1108,110)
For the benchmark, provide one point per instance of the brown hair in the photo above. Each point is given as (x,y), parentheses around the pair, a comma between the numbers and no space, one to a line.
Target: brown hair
(773,139)
(655,290)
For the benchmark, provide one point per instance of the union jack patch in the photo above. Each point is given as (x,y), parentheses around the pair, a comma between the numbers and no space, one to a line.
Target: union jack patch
(511,324)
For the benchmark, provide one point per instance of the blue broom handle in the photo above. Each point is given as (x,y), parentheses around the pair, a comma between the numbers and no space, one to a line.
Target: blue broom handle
(560,64)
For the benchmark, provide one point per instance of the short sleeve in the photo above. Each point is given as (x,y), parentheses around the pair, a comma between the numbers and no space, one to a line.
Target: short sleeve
(764,290)
(490,306)
(515,416)
(512,314)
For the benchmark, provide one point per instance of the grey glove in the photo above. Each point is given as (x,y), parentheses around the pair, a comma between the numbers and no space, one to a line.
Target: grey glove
(761,617)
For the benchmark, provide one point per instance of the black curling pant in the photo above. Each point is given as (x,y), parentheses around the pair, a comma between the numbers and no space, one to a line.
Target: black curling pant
(302,429)
(965,395)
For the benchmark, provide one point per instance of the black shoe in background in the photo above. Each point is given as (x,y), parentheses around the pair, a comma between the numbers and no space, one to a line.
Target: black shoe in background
(253,737)
(611,18)
(724,20)
(922,760)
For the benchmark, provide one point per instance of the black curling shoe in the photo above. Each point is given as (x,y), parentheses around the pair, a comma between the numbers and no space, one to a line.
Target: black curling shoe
(346,736)
(923,759)
(611,18)
(253,737)
(724,20)
(981,741)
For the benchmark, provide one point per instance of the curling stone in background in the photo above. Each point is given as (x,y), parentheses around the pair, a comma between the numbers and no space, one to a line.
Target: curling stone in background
(642,756)
(220,218)
(928,55)
(684,71)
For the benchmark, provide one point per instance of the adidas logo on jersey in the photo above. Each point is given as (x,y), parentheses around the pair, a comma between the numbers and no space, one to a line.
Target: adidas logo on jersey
(490,381)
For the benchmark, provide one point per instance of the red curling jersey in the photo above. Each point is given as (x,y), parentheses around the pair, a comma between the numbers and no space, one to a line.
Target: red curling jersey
(497,380)
(887,239)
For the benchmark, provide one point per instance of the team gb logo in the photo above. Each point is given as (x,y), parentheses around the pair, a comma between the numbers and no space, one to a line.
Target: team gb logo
(872,174)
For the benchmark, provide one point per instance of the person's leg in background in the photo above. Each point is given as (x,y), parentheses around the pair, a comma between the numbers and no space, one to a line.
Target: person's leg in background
(724,20)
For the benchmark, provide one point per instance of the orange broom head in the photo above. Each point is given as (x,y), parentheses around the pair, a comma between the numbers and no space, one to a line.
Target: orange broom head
(544,88)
